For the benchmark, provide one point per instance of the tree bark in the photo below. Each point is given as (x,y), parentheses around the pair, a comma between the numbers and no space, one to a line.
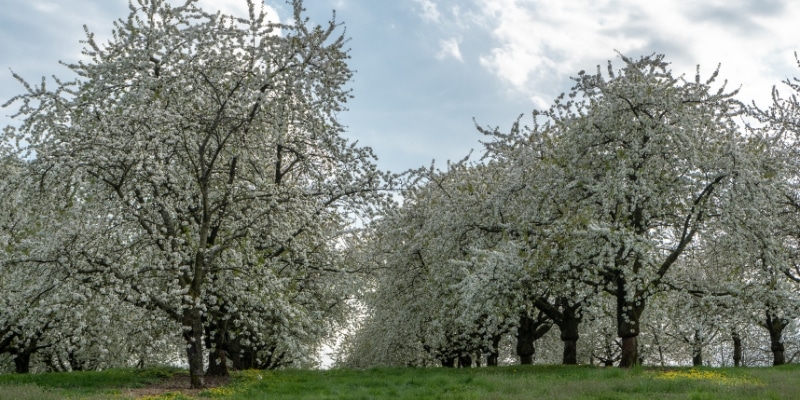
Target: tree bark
(628,316)
(242,358)
(567,317)
(737,349)
(569,335)
(74,363)
(217,362)
(697,349)
(697,358)
(528,332)
(494,353)
(448,362)
(193,336)
(775,326)
(217,345)
(465,361)
(22,362)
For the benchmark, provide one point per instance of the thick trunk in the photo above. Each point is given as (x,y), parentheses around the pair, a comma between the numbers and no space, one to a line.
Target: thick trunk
(22,362)
(528,332)
(449,362)
(242,358)
(697,358)
(217,344)
(569,325)
(778,354)
(570,356)
(465,361)
(74,363)
(193,336)
(629,313)
(775,326)
(525,347)
(630,352)
(494,353)
(737,349)
(217,362)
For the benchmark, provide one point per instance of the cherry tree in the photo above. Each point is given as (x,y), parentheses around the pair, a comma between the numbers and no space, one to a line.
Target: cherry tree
(213,152)
(49,319)
(642,160)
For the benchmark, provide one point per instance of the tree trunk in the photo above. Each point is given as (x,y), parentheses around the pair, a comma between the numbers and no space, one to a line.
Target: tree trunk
(697,349)
(193,336)
(528,332)
(22,362)
(570,335)
(775,326)
(697,358)
(217,362)
(567,316)
(217,345)
(74,363)
(494,353)
(629,313)
(525,347)
(465,361)
(449,362)
(737,349)
(630,352)
(242,358)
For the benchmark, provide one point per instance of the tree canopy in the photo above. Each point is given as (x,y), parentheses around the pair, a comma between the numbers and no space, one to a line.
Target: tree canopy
(188,192)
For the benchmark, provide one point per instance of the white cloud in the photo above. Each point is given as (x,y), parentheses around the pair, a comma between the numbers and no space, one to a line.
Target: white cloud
(537,44)
(429,12)
(237,8)
(449,48)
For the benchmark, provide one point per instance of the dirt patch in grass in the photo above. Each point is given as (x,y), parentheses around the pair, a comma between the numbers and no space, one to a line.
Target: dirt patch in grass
(176,384)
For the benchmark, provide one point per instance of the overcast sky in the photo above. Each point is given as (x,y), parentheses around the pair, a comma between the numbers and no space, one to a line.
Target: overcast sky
(426,68)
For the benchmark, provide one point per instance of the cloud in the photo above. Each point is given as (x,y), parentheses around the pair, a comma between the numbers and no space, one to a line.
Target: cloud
(429,12)
(449,48)
(236,8)
(536,44)
(540,43)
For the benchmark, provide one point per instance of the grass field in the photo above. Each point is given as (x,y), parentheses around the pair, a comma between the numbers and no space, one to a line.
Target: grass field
(513,382)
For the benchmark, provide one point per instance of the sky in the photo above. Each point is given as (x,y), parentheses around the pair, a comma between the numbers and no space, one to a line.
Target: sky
(428,70)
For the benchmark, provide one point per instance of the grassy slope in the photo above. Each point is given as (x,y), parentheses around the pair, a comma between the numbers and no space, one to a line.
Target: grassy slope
(545,382)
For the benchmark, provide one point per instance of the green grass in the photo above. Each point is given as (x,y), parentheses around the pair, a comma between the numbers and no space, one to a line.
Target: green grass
(513,382)
(80,385)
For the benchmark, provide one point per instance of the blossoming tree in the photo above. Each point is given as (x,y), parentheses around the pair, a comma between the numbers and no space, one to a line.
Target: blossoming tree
(213,146)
